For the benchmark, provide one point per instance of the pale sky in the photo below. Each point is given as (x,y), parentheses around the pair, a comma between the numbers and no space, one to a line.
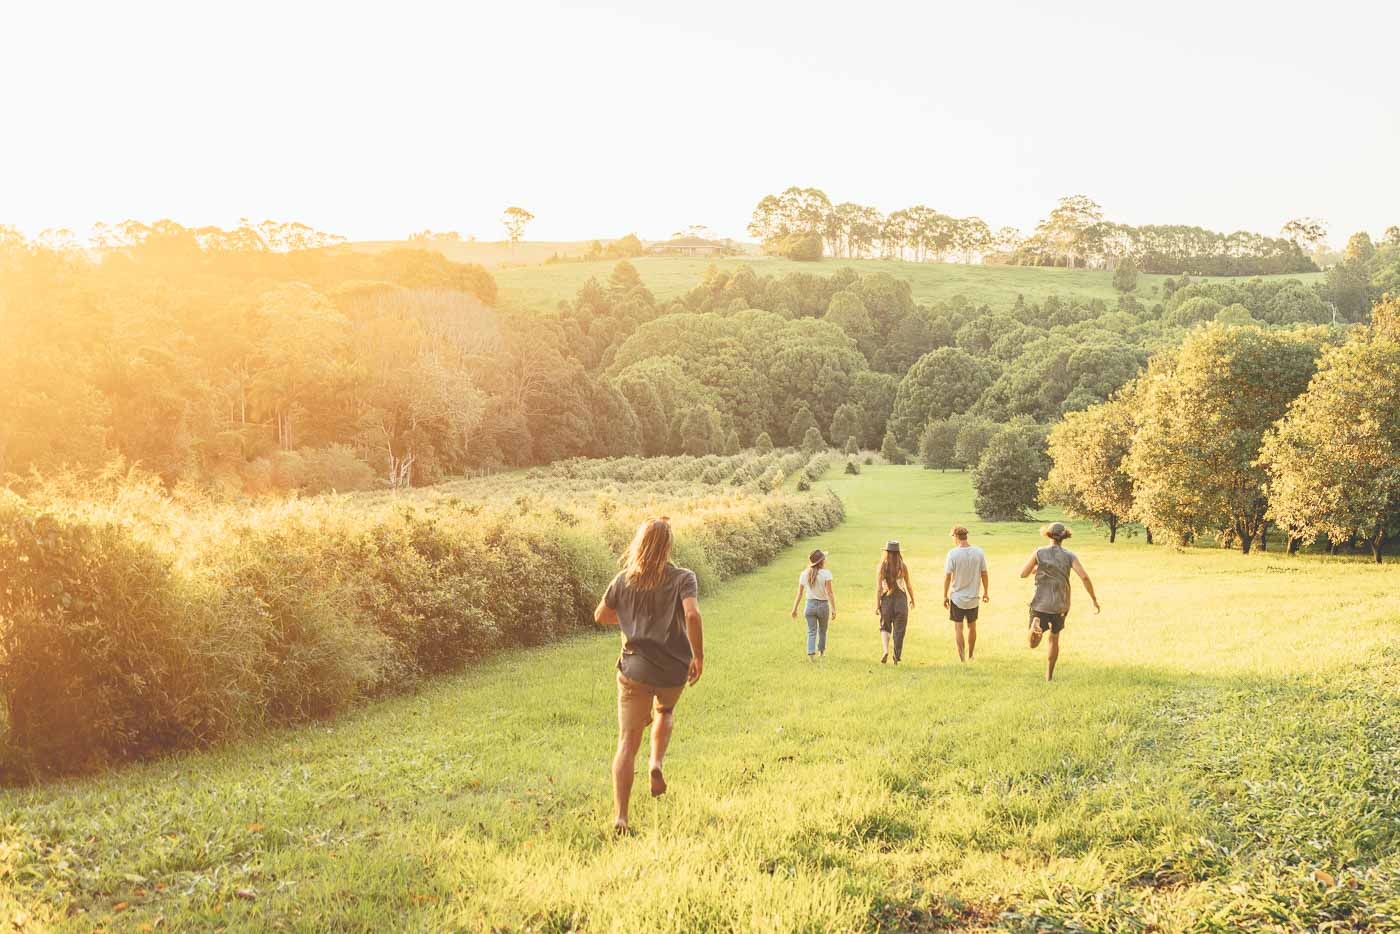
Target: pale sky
(376,119)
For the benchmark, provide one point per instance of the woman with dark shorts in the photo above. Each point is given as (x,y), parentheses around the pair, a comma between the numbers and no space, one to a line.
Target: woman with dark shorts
(654,604)
(1050,602)
(894,598)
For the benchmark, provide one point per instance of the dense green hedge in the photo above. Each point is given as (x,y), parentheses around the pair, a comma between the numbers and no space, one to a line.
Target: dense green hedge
(114,645)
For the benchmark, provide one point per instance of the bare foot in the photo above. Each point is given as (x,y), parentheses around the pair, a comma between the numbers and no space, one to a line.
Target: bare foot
(620,829)
(884,658)
(658,783)
(1036,626)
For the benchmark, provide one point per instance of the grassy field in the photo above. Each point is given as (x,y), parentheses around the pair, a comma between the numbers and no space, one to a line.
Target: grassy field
(1220,750)
(997,286)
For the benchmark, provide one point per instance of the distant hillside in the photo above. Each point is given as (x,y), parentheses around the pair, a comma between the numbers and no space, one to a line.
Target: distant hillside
(544,286)
(491,253)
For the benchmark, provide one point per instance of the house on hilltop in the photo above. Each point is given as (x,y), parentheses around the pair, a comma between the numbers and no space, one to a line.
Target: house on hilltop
(689,246)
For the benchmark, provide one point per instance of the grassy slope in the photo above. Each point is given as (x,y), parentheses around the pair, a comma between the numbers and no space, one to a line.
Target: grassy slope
(1208,743)
(997,286)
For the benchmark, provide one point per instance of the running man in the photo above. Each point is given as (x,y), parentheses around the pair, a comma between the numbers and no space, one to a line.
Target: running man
(965,566)
(1050,603)
(654,605)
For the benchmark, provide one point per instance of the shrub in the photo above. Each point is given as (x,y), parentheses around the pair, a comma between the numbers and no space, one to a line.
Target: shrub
(852,467)
(801,247)
(129,633)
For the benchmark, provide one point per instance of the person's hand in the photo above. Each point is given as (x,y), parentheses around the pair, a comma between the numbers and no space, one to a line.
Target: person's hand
(945,603)
(986,598)
(794,614)
(913,605)
(696,667)
(833,615)
(1096,607)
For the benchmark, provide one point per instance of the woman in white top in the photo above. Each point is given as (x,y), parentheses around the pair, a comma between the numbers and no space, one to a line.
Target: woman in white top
(815,583)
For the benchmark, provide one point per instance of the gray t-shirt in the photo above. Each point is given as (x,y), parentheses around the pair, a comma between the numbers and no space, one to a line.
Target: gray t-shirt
(1052,567)
(967,565)
(655,649)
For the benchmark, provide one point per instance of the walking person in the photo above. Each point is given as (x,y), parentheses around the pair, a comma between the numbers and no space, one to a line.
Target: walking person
(964,567)
(654,605)
(1051,565)
(894,598)
(815,583)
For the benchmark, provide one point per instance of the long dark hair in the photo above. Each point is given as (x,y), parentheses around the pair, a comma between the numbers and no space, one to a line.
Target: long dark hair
(891,569)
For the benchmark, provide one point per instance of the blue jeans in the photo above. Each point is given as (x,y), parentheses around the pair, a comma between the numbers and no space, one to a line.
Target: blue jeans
(818,616)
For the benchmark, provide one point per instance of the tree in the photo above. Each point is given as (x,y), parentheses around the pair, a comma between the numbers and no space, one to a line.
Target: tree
(944,382)
(846,423)
(847,312)
(938,441)
(1332,459)
(1359,248)
(763,444)
(1086,452)
(1064,230)
(1007,478)
(731,442)
(890,449)
(1125,277)
(802,421)
(1201,418)
(515,219)
(852,446)
(974,434)
(1305,232)
(812,441)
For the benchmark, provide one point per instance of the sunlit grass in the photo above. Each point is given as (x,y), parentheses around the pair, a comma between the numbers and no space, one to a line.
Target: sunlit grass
(1218,744)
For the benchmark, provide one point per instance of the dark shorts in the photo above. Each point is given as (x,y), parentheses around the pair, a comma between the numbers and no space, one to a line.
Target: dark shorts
(1050,622)
(958,615)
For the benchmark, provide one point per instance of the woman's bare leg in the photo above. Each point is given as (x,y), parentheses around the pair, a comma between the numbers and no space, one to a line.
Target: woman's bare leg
(623,769)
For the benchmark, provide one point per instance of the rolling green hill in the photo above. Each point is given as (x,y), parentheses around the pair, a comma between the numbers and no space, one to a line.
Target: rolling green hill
(1217,752)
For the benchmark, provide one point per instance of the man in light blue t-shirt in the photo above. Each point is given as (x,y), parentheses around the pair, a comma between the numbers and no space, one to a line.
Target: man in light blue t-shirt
(965,567)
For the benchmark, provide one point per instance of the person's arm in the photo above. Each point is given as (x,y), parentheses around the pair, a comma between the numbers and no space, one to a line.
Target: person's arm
(947,581)
(878,582)
(831,596)
(986,588)
(908,586)
(1030,567)
(797,601)
(605,614)
(1088,584)
(696,634)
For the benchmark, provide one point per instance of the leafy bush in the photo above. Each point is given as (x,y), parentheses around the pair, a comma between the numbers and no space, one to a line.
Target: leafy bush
(138,625)
(852,467)
(801,247)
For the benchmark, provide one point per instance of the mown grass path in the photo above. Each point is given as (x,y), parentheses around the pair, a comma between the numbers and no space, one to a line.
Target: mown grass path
(1224,732)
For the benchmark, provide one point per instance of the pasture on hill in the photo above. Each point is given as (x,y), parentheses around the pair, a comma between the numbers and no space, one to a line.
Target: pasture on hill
(1219,751)
(543,286)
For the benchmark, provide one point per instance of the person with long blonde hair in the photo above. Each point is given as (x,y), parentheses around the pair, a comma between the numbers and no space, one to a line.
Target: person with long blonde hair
(655,606)
(815,583)
(894,598)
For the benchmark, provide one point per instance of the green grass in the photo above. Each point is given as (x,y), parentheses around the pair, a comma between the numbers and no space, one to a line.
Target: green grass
(997,286)
(1218,751)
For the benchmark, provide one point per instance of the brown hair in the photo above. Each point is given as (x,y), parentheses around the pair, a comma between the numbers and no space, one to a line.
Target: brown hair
(645,562)
(1056,532)
(959,532)
(891,567)
(814,564)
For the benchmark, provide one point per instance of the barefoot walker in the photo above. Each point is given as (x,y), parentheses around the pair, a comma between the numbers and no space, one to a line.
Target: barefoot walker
(1050,604)
(894,596)
(654,604)
(964,568)
(815,583)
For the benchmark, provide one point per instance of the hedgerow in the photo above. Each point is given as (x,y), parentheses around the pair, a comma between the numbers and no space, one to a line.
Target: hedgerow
(132,624)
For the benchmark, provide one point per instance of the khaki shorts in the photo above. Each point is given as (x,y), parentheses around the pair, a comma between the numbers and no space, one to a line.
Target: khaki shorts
(636,702)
